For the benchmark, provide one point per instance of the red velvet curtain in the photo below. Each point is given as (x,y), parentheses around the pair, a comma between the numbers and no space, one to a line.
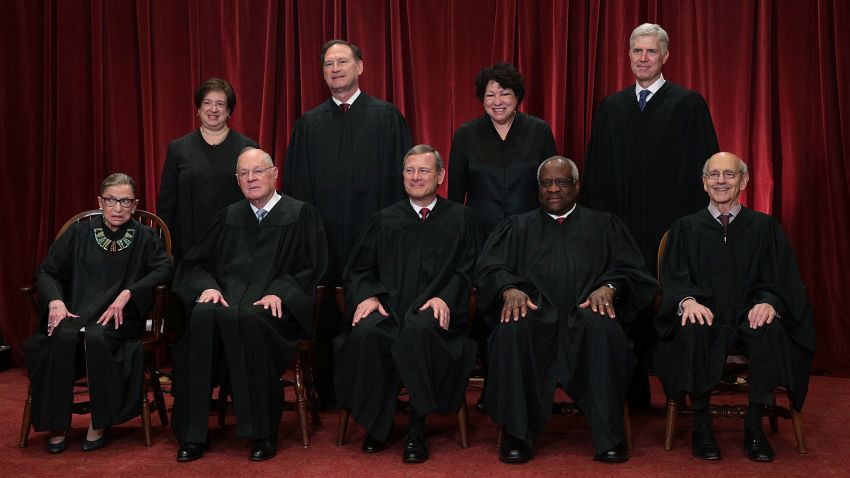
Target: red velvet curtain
(92,87)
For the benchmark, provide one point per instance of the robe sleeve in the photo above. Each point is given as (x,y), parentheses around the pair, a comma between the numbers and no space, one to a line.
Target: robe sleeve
(456,290)
(54,273)
(698,143)
(676,280)
(296,288)
(193,275)
(298,169)
(549,147)
(496,269)
(157,267)
(458,168)
(166,202)
(361,273)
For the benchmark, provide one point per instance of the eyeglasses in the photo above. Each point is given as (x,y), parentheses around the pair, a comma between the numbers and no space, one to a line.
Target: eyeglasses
(110,201)
(562,183)
(243,174)
(715,175)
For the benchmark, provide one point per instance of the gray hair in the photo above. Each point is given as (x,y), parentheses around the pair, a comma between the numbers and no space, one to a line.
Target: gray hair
(425,149)
(560,159)
(651,30)
(742,166)
(118,179)
(266,158)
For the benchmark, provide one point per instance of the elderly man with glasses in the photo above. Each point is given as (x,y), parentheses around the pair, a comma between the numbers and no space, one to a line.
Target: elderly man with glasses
(729,278)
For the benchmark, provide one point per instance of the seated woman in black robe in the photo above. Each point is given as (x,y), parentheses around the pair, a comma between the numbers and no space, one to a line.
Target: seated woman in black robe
(95,287)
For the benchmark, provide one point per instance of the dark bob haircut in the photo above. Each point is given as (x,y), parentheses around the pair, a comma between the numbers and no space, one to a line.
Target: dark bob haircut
(216,84)
(505,75)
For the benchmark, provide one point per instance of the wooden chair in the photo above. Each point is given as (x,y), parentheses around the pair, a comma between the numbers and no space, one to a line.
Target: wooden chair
(151,339)
(403,405)
(302,381)
(735,379)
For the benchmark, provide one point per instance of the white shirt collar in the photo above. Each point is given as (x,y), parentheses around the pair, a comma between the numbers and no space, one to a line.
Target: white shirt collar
(269,205)
(350,100)
(418,208)
(556,217)
(653,88)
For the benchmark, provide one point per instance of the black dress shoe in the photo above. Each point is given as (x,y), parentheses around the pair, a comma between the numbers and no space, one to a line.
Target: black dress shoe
(618,454)
(704,445)
(263,449)
(415,450)
(373,445)
(96,444)
(513,450)
(54,448)
(190,451)
(757,446)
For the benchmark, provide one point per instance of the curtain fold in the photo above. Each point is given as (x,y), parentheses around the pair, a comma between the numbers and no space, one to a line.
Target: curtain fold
(93,87)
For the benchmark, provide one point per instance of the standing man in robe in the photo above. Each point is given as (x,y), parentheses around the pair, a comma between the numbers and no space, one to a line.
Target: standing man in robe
(249,284)
(567,278)
(647,145)
(729,277)
(409,277)
(344,157)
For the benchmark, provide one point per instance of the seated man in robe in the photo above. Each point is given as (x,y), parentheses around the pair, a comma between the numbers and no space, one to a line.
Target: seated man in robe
(567,278)
(409,276)
(730,278)
(250,283)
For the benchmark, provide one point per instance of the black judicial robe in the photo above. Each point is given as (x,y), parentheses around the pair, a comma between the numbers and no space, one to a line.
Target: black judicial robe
(645,166)
(404,262)
(498,178)
(197,181)
(88,279)
(285,256)
(754,264)
(349,166)
(559,266)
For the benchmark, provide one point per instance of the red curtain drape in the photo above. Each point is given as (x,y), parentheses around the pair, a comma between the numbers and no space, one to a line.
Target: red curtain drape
(95,86)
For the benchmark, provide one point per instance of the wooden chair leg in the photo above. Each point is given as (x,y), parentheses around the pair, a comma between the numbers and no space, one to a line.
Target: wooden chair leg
(146,418)
(301,402)
(342,427)
(309,385)
(463,424)
(797,420)
(670,426)
(627,426)
(26,421)
(158,397)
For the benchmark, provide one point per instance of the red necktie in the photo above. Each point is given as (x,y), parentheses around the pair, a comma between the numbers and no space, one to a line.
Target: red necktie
(344,107)
(560,220)
(424,212)
(724,219)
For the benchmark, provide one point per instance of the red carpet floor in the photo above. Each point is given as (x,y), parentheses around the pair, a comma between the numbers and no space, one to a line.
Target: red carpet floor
(563,450)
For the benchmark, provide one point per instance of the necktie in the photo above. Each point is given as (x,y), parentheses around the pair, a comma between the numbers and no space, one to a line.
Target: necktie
(424,212)
(724,219)
(560,220)
(261,213)
(344,107)
(642,100)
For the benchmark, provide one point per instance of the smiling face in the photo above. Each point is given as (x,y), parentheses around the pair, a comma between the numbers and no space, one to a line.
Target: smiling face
(256,176)
(557,198)
(421,177)
(341,71)
(724,191)
(499,103)
(647,59)
(115,216)
(214,111)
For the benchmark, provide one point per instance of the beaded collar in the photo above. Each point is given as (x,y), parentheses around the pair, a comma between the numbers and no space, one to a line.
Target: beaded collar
(109,245)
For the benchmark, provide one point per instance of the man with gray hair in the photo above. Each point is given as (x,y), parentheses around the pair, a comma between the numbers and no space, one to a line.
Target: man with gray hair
(646,148)
(408,281)
(565,278)
(249,287)
(730,279)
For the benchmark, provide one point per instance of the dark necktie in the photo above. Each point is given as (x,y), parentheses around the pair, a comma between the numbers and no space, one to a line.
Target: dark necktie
(642,100)
(724,219)
(344,107)
(424,212)
(560,220)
